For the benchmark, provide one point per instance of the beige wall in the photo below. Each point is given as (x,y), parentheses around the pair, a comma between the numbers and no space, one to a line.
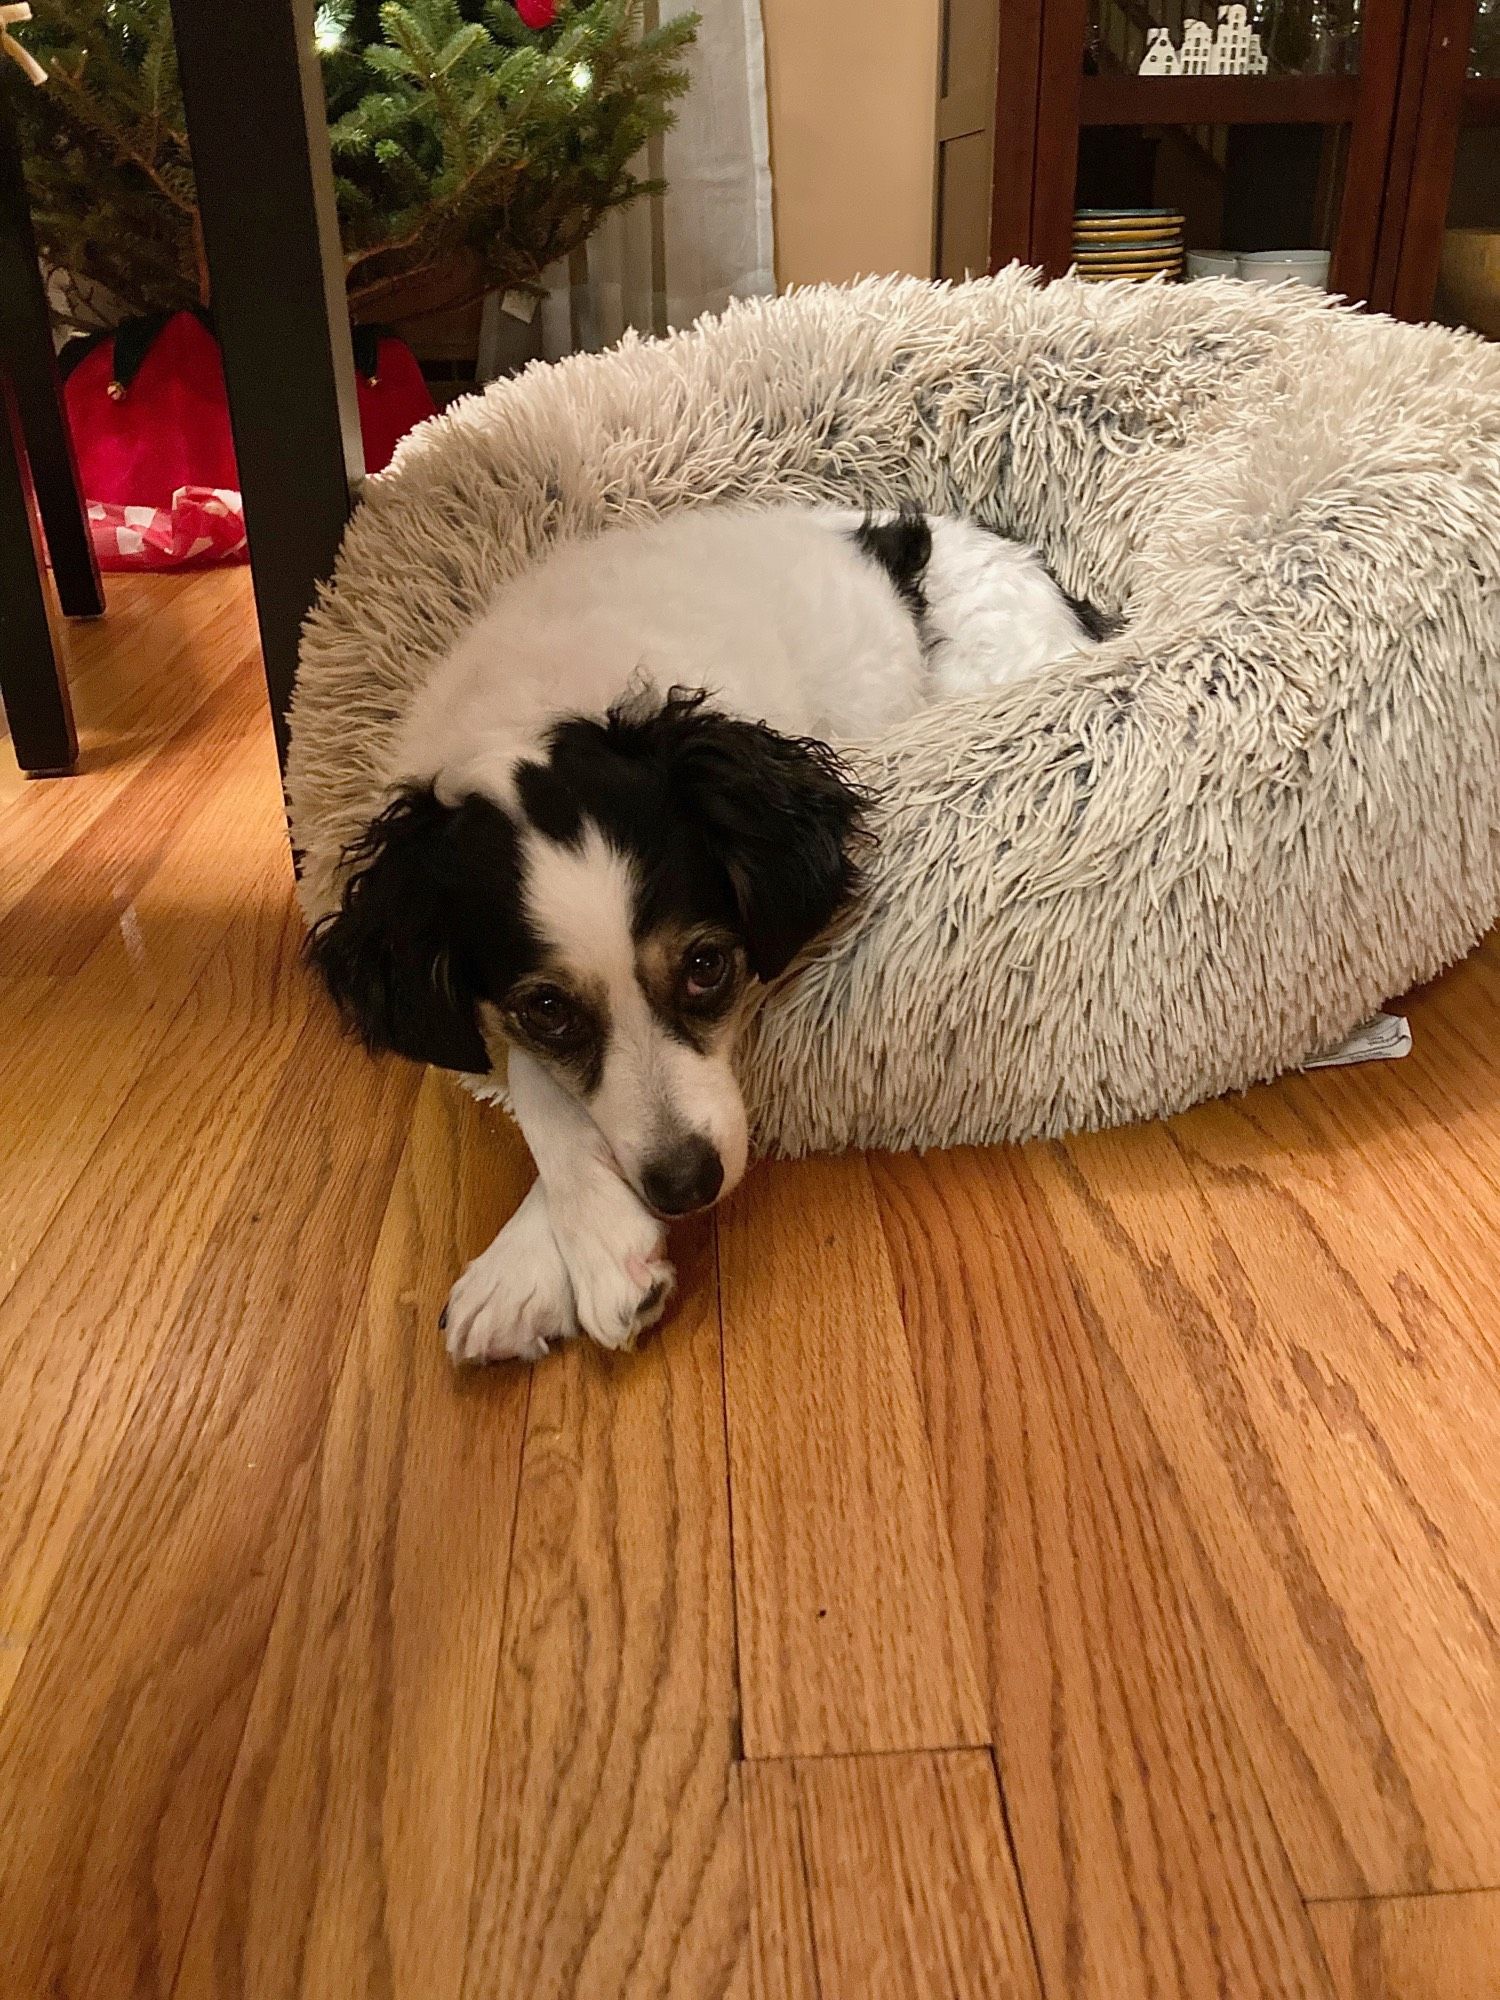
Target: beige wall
(852,87)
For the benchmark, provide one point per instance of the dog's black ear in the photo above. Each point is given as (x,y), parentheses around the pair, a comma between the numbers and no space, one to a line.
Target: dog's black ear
(783,817)
(394,955)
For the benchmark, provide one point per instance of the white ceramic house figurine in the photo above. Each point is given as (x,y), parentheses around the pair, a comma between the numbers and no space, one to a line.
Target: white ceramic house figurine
(1160,58)
(1232,49)
(1237,49)
(1198,53)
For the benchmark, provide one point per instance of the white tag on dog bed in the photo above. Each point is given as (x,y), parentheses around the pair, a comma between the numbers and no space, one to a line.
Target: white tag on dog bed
(1383,1038)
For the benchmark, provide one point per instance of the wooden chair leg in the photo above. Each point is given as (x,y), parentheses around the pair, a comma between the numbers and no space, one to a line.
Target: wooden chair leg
(258,128)
(32,684)
(27,354)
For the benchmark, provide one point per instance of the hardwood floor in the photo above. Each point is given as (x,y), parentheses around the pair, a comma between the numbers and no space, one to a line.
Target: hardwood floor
(1061,1573)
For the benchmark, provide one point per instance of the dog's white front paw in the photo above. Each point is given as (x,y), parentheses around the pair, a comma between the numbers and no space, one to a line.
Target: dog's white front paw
(613,1248)
(620,1302)
(515,1299)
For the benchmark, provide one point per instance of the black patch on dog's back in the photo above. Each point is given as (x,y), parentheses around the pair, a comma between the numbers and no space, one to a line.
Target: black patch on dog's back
(903,549)
(1100,625)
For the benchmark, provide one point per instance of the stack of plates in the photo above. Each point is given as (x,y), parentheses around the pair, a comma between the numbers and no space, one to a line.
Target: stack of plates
(1129,243)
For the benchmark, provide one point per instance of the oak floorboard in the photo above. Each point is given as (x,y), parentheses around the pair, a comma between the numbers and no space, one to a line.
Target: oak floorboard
(121,1730)
(905,1874)
(83,1318)
(138,676)
(611,1857)
(783,1951)
(1413,1947)
(345,1848)
(82,896)
(1317,1368)
(851,1630)
(73,1048)
(1149,1862)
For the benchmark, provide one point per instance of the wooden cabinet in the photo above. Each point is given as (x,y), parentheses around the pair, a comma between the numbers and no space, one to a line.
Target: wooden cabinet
(1368,128)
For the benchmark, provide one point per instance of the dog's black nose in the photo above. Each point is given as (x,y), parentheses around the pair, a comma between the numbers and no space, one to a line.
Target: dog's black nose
(687,1177)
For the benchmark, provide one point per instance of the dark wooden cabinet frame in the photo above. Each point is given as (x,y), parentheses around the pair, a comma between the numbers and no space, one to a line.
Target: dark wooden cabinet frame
(1437,99)
(1402,113)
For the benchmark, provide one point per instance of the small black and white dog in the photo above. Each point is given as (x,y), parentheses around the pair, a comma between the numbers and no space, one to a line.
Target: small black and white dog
(616,811)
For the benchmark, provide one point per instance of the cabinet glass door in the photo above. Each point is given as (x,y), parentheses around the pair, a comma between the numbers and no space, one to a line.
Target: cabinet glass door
(1258,38)
(1258,130)
(1468,285)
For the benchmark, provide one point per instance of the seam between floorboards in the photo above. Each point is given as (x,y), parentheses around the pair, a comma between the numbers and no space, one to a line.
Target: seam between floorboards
(985,1749)
(1008,1831)
(491,1732)
(737,1754)
(1402,1895)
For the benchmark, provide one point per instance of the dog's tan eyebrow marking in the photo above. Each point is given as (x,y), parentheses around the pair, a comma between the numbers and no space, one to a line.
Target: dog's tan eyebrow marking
(659,956)
(658,960)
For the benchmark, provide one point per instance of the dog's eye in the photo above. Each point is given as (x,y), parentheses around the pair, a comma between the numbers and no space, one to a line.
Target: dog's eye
(548,1015)
(704,971)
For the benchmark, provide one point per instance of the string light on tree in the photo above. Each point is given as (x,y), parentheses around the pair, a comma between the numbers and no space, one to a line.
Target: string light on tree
(329,30)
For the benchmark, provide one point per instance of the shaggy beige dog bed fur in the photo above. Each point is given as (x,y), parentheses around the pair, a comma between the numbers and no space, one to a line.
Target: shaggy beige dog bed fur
(1178,865)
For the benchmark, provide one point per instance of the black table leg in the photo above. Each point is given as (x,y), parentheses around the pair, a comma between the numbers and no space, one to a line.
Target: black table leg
(27,353)
(31,677)
(259,133)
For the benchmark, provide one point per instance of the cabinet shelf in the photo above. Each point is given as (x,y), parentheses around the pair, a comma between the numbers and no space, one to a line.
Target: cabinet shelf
(1217,100)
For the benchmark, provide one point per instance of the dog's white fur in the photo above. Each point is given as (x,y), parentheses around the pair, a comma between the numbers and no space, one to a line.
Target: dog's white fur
(774,611)
(782,618)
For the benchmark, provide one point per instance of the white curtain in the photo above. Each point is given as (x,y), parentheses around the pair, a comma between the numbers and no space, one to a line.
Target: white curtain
(658,264)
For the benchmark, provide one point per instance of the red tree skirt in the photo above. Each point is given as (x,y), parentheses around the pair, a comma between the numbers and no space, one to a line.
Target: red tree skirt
(157,460)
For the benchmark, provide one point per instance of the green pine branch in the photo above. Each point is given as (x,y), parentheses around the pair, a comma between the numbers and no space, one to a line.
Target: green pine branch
(468,149)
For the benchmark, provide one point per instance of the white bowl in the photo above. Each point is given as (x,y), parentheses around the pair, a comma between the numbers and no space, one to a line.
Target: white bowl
(1212,264)
(1274,267)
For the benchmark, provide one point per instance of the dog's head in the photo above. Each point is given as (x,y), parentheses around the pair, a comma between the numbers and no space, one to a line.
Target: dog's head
(609,918)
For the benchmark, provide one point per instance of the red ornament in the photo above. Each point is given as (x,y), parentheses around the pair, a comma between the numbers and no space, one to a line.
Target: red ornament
(537,13)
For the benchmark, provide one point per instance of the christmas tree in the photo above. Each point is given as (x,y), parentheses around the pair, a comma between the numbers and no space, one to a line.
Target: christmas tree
(474,141)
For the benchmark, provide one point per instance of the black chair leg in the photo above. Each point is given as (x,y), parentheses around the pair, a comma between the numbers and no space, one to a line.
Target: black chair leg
(27,353)
(32,684)
(258,127)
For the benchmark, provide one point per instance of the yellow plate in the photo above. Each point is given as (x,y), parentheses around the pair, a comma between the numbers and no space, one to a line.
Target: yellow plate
(1126,249)
(1128,263)
(1156,271)
(1156,226)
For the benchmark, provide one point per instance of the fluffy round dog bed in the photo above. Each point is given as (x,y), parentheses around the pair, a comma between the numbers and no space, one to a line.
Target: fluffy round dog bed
(1168,869)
